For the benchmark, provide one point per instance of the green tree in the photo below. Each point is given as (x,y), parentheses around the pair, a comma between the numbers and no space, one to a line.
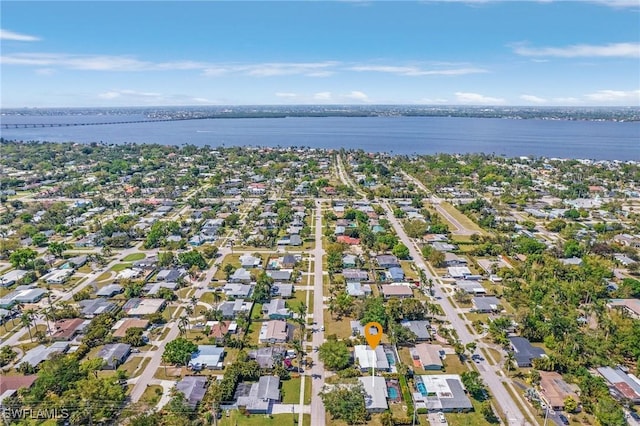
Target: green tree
(192,258)
(373,310)
(23,257)
(39,239)
(346,402)
(474,385)
(570,404)
(133,336)
(436,258)
(179,351)
(415,228)
(400,251)
(56,248)
(335,354)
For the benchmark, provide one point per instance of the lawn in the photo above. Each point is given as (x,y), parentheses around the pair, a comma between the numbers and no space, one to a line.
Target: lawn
(236,418)
(132,363)
(134,256)
(104,276)
(341,328)
(472,418)
(151,395)
(460,217)
(409,273)
(291,391)
(120,266)
(298,298)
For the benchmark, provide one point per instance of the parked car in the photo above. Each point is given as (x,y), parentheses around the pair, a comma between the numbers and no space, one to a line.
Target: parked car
(564,419)
(442,418)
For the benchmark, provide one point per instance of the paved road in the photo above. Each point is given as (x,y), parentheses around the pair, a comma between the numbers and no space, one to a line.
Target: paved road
(488,373)
(318,417)
(435,201)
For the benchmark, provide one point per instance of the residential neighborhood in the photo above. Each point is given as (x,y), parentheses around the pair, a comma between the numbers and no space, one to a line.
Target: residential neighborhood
(231,286)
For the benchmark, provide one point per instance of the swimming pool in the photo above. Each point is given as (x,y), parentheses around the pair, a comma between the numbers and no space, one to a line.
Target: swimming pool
(393,393)
(421,388)
(390,358)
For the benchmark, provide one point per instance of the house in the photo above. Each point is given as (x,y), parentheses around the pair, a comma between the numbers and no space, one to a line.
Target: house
(367,358)
(236,290)
(451,259)
(67,329)
(621,384)
(281,289)
(357,329)
(114,354)
(193,388)
(276,309)
(77,261)
(458,271)
(470,287)
(109,290)
(395,274)
(427,356)
(258,398)
(288,261)
(355,275)
(387,261)
(524,352)
(397,290)
(218,330)
(92,307)
(575,261)
(268,357)
(121,326)
(357,289)
(442,246)
(419,327)
(22,294)
(9,385)
(281,275)
(554,390)
(137,307)
(240,275)
(441,392)
(247,261)
(171,275)
(295,240)
(41,353)
(207,356)
(375,388)
(630,306)
(486,304)
(152,289)
(349,261)
(12,277)
(274,331)
(57,276)
(232,308)
(348,240)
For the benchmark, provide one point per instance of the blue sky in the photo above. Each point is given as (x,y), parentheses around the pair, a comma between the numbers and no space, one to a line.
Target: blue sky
(476,52)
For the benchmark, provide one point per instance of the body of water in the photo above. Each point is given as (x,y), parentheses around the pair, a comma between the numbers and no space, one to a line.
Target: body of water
(605,140)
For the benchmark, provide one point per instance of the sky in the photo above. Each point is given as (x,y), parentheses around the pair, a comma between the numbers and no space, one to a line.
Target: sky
(475,52)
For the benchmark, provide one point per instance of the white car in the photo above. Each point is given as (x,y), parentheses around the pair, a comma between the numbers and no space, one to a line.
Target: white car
(442,418)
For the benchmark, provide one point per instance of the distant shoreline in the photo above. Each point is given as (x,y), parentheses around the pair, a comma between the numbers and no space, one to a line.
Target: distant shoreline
(616,114)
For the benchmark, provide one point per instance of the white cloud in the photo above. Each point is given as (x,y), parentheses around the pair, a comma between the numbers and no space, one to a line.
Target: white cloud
(356,95)
(322,96)
(113,94)
(611,50)
(286,95)
(45,71)
(533,99)
(309,69)
(10,35)
(615,96)
(618,3)
(415,71)
(476,98)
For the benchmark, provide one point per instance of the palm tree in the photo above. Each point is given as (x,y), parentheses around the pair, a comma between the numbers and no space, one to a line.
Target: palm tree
(27,321)
(216,299)
(509,360)
(184,321)
(297,346)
